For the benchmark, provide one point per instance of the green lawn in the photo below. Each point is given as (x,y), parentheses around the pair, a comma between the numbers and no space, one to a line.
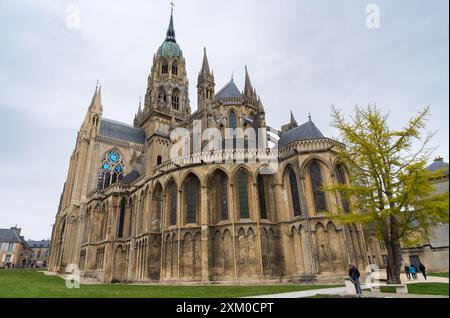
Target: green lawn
(422,289)
(30,283)
(438,274)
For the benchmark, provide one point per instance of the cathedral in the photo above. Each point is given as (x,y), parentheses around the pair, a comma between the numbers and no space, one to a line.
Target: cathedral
(133,209)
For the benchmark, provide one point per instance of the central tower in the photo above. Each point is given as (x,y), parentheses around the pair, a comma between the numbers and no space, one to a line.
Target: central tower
(166,101)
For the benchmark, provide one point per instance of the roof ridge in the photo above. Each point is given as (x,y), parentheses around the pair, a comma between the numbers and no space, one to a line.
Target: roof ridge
(120,123)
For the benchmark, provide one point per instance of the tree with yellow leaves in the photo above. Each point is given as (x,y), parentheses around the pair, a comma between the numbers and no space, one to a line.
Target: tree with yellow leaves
(391,190)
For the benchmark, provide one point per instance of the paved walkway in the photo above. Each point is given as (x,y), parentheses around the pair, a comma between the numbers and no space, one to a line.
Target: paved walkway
(307,293)
(341,291)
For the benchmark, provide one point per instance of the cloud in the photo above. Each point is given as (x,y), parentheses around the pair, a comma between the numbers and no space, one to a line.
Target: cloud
(301,55)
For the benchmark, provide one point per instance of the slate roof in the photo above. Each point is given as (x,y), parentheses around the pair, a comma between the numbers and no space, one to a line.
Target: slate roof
(37,244)
(307,131)
(229,91)
(9,235)
(131,177)
(438,164)
(113,129)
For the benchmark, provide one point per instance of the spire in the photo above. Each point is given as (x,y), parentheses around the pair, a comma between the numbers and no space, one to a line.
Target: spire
(293,121)
(96,103)
(249,92)
(248,83)
(205,65)
(171,30)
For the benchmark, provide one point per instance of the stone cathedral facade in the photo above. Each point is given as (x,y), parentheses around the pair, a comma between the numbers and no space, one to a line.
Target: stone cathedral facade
(128,212)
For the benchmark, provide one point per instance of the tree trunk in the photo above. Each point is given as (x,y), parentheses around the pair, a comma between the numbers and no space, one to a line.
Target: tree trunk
(394,253)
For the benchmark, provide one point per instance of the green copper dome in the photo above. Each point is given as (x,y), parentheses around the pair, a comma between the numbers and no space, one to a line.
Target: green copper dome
(169,48)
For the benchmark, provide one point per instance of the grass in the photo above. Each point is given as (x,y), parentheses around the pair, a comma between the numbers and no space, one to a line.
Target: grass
(439,274)
(440,289)
(22,283)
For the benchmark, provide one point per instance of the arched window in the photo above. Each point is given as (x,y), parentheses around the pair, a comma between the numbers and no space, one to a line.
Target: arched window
(232,120)
(176,99)
(131,219)
(111,170)
(294,193)
(317,181)
(174,68)
(121,218)
(158,160)
(242,187)
(262,197)
(172,203)
(104,221)
(192,188)
(218,196)
(162,96)
(340,176)
(165,67)
(223,196)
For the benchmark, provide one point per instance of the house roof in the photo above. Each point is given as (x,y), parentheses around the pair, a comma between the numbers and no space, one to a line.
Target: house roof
(37,244)
(307,131)
(438,164)
(131,177)
(9,236)
(116,130)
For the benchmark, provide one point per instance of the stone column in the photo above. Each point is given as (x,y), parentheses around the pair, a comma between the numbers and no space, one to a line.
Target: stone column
(204,232)
(232,214)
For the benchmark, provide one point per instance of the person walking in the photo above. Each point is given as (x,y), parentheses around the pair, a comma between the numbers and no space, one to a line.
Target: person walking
(407,272)
(413,271)
(422,270)
(354,275)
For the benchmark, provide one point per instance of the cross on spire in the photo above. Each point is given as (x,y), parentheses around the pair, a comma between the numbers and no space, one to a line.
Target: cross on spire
(172,5)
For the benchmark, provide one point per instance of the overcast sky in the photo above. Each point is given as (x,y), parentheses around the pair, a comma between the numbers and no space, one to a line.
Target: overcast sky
(302,56)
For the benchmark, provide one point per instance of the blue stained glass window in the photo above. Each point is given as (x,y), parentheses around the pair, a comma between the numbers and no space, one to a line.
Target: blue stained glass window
(111,170)
(113,156)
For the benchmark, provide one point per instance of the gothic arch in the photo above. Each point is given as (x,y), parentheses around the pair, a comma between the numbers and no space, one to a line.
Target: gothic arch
(121,219)
(334,246)
(218,194)
(191,203)
(172,202)
(175,99)
(265,196)
(309,160)
(242,182)
(323,255)
(156,207)
(294,191)
(317,179)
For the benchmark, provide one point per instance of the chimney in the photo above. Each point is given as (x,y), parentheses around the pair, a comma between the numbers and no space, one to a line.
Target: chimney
(17,229)
(439,159)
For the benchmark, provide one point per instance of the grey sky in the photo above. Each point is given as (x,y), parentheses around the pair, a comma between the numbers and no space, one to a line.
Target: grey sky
(301,55)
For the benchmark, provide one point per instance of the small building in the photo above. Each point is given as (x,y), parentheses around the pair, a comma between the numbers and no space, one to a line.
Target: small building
(433,253)
(40,252)
(14,250)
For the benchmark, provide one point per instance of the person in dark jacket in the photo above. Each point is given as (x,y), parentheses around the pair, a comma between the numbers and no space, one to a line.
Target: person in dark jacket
(422,270)
(407,271)
(354,275)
